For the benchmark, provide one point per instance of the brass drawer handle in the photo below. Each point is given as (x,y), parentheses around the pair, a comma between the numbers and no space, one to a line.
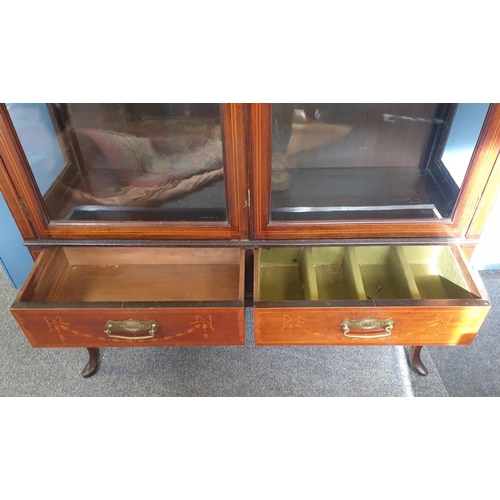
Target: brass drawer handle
(367,324)
(132,326)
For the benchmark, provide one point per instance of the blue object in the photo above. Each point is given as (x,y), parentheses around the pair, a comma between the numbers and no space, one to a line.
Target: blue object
(39,141)
(14,257)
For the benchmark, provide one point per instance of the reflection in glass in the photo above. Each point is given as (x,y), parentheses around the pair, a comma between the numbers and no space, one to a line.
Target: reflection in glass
(369,161)
(125,162)
(461,141)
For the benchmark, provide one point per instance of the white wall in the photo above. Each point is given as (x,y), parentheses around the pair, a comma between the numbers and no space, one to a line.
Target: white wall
(487,253)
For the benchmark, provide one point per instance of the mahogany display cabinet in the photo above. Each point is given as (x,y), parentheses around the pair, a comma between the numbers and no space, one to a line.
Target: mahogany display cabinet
(339,224)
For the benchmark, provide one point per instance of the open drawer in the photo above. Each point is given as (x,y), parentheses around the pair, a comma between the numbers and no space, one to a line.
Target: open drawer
(370,295)
(122,296)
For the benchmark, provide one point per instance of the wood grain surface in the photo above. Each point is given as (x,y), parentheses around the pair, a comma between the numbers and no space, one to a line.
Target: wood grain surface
(93,274)
(437,325)
(85,327)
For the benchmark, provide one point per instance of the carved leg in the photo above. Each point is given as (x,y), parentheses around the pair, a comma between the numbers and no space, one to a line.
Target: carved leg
(415,361)
(94,363)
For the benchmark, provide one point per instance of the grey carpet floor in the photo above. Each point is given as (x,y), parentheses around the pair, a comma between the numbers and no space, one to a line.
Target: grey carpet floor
(248,370)
(474,370)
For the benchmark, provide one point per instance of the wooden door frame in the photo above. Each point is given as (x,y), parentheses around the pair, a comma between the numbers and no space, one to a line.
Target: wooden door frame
(481,166)
(28,195)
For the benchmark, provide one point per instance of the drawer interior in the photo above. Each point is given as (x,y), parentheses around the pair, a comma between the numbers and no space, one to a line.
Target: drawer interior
(436,272)
(281,275)
(360,273)
(385,273)
(121,274)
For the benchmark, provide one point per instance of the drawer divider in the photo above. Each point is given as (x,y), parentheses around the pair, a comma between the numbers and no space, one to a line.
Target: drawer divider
(352,273)
(402,273)
(309,275)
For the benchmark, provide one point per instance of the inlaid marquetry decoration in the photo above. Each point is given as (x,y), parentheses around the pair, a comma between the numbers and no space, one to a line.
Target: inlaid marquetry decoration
(292,322)
(60,326)
(57,325)
(438,325)
(201,323)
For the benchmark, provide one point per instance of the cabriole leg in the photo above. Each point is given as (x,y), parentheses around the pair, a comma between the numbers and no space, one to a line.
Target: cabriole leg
(94,363)
(415,361)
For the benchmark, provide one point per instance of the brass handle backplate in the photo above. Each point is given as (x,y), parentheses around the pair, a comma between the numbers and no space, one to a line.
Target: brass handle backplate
(367,324)
(133,326)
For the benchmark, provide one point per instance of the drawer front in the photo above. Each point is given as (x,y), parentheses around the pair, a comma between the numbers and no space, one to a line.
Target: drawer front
(85,327)
(446,325)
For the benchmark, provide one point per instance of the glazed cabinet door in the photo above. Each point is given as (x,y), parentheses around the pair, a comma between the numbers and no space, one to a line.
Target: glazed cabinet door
(370,170)
(123,171)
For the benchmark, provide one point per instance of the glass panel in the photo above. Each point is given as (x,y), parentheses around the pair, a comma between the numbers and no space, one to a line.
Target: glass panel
(125,162)
(462,139)
(370,161)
